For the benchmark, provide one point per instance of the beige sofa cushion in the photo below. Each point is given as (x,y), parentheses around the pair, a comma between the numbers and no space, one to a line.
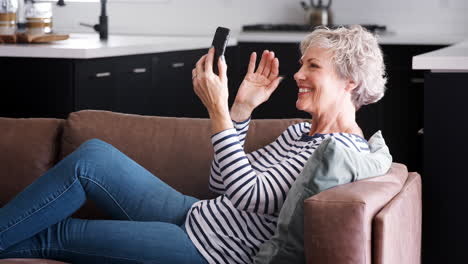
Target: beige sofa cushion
(29,147)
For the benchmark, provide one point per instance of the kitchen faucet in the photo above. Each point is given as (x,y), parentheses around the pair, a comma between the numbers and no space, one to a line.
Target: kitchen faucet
(102,27)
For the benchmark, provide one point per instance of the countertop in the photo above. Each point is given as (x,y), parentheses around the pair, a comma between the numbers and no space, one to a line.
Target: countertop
(383,37)
(450,59)
(87,46)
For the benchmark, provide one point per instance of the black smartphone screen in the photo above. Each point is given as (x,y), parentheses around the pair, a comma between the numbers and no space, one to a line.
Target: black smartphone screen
(220,41)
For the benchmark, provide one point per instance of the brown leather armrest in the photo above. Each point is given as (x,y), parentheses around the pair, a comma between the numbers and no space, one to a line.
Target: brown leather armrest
(397,228)
(338,221)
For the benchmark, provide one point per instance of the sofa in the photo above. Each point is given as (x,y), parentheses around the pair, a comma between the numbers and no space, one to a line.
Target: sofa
(376,220)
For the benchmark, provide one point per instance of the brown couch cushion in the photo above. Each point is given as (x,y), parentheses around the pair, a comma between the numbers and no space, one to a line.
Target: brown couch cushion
(165,146)
(338,221)
(264,131)
(177,150)
(397,228)
(29,147)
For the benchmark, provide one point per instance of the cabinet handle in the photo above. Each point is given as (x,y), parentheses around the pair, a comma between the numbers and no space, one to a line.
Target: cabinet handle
(417,80)
(139,70)
(421,131)
(178,64)
(103,74)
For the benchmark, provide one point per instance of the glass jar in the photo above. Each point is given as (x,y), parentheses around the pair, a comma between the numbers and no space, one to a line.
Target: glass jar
(38,18)
(8,9)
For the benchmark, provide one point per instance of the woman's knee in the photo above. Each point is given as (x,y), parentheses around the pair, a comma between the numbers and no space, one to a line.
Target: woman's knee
(95,148)
(95,142)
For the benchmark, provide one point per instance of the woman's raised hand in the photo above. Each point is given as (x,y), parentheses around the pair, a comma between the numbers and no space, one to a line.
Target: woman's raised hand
(257,85)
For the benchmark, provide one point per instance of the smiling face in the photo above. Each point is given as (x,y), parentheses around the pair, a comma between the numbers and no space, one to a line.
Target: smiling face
(320,88)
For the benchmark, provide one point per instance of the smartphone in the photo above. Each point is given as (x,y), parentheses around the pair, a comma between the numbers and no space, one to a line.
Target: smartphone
(220,41)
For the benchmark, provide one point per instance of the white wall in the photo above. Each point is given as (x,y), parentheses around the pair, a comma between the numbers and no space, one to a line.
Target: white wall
(200,17)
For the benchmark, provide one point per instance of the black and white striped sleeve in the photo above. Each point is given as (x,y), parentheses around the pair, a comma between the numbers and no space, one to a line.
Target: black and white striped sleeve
(216,181)
(242,128)
(246,188)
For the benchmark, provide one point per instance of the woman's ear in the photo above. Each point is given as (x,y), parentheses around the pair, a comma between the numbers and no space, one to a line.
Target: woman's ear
(350,85)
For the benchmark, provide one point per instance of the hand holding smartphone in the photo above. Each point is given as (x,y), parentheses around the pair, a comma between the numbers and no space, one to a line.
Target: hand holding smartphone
(220,41)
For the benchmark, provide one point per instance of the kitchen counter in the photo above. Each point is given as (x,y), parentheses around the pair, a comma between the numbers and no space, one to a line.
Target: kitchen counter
(87,46)
(384,38)
(450,59)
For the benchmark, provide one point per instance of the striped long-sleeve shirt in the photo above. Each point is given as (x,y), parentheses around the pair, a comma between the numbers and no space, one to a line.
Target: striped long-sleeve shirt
(253,187)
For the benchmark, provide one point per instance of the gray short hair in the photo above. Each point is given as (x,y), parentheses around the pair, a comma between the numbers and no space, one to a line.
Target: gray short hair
(357,56)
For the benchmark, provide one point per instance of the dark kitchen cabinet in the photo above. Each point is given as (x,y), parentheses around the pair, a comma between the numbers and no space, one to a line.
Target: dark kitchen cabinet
(134,86)
(148,84)
(35,87)
(121,84)
(403,105)
(399,114)
(95,83)
(172,78)
(41,87)
(445,232)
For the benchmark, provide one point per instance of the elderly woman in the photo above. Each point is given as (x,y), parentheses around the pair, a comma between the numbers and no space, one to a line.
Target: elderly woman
(341,70)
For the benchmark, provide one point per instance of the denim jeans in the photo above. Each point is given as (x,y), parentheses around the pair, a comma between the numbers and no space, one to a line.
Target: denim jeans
(147,223)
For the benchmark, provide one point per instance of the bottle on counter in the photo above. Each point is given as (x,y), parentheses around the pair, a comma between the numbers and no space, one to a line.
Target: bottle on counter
(38,18)
(8,9)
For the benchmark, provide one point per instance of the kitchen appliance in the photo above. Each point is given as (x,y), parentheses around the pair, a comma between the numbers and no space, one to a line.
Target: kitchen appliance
(318,13)
(303,27)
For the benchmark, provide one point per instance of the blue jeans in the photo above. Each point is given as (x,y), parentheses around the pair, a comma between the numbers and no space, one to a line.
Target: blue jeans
(148,215)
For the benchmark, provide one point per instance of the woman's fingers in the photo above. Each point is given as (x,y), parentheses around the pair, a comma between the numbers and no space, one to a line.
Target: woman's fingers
(222,67)
(269,58)
(195,81)
(199,67)
(209,60)
(262,63)
(194,73)
(274,69)
(274,84)
(253,60)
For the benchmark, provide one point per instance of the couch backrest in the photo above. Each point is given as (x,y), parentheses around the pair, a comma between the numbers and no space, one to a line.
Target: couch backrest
(28,148)
(177,150)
